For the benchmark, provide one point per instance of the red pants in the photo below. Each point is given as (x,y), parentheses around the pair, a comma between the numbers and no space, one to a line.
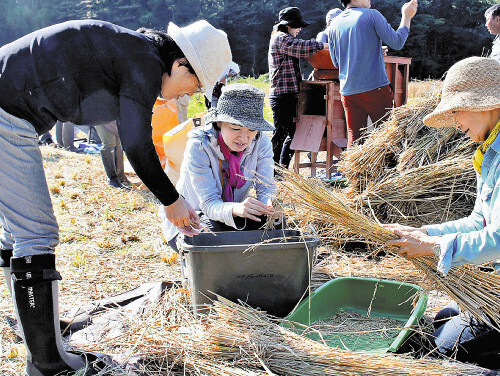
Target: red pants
(357,107)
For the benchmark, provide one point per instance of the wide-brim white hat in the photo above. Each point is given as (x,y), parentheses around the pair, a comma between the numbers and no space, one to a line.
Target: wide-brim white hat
(206,48)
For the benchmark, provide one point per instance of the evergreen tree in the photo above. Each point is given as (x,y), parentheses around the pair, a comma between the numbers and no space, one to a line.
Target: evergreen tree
(442,32)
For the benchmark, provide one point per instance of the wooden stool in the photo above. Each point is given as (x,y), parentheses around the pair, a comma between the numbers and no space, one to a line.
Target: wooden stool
(320,126)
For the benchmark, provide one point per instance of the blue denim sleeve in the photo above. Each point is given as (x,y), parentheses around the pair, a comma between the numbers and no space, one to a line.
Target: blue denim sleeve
(394,39)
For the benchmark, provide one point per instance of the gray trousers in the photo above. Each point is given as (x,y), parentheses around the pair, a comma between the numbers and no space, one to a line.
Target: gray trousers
(29,226)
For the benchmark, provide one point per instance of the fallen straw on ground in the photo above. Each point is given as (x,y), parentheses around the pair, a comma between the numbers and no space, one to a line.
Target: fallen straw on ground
(232,339)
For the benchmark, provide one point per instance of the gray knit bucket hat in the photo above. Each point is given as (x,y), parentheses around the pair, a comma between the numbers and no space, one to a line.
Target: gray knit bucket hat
(240,104)
(472,84)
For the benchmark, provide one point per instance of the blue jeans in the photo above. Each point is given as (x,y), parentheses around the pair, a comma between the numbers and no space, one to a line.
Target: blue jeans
(29,226)
(464,338)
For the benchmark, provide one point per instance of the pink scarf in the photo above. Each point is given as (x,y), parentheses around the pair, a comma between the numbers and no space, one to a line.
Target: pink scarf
(233,174)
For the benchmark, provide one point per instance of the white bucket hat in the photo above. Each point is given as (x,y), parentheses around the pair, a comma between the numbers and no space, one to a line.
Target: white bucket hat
(206,49)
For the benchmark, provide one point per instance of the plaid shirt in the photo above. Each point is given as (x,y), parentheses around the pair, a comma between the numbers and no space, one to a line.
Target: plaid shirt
(283,57)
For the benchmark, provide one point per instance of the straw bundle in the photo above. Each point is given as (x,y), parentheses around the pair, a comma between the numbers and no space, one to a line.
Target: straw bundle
(307,201)
(408,172)
(232,339)
(425,194)
(381,147)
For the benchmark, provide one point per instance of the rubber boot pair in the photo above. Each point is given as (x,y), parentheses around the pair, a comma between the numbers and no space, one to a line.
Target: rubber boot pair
(112,160)
(35,295)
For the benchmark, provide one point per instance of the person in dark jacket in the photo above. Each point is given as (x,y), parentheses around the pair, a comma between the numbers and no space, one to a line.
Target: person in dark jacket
(86,72)
(285,50)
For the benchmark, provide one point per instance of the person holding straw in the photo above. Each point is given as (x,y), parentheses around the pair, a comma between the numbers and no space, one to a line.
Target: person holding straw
(471,103)
(224,160)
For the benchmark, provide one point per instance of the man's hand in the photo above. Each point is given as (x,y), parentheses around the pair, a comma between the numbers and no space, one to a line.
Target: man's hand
(183,216)
(408,11)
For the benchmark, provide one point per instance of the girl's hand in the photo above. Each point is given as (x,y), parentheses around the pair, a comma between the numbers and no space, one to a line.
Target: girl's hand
(251,208)
(413,244)
(277,209)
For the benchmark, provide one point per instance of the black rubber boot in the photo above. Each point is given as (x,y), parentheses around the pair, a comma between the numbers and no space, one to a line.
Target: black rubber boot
(34,285)
(66,325)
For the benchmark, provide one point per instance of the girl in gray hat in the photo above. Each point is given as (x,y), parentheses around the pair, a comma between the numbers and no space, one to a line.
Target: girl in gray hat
(471,103)
(224,160)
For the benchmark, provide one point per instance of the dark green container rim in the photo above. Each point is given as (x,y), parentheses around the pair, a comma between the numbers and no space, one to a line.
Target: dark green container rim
(417,313)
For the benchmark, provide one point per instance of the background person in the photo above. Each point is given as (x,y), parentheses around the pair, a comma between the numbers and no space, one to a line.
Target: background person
(355,42)
(470,102)
(225,159)
(232,70)
(492,16)
(323,35)
(65,136)
(285,50)
(45,139)
(112,155)
(86,72)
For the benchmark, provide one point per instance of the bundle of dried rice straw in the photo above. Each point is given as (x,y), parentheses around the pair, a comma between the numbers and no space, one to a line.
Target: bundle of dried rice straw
(410,173)
(232,339)
(309,202)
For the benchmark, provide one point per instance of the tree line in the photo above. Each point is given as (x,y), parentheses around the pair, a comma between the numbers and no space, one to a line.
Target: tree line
(442,32)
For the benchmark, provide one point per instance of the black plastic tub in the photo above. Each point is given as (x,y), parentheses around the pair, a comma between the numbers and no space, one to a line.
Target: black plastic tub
(267,269)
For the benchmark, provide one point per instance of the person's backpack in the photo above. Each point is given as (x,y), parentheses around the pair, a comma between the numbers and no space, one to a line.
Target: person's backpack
(170,137)
(174,144)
